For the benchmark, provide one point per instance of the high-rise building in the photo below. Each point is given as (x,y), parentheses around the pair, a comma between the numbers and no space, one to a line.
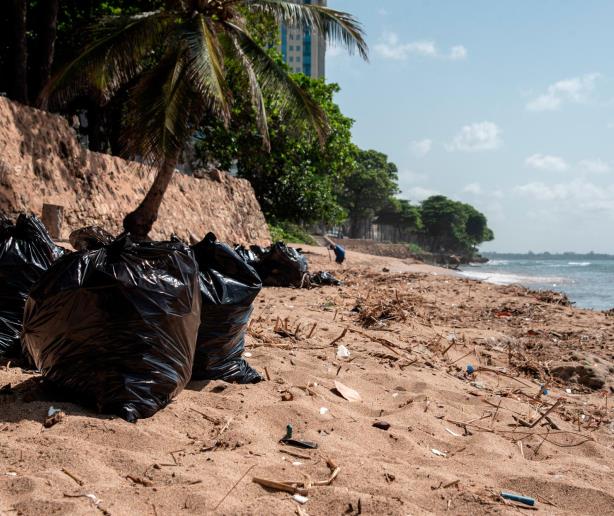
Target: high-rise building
(304,50)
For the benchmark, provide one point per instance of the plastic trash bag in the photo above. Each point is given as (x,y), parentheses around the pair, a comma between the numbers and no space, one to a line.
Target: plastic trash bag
(323,278)
(116,327)
(89,238)
(228,286)
(282,266)
(26,252)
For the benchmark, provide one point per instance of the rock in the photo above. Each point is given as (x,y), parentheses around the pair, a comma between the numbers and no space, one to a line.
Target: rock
(382,425)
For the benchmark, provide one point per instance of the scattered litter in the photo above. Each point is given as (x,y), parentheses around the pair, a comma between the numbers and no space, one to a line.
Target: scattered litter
(300,498)
(527,500)
(438,453)
(247,354)
(324,410)
(10,474)
(297,463)
(299,443)
(568,391)
(54,416)
(452,433)
(470,369)
(343,352)
(346,392)
(382,425)
(395,394)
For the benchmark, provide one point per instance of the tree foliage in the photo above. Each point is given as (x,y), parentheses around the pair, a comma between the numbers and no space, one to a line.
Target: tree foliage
(176,58)
(298,179)
(452,225)
(368,188)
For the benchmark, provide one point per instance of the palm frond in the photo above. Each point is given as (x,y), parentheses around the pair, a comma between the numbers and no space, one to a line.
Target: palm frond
(335,26)
(120,49)
(273,79)
(205,61)
(160,111)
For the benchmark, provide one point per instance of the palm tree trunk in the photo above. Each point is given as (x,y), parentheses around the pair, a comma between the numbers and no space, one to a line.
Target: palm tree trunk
(20,52)
(139,222)
(48,33)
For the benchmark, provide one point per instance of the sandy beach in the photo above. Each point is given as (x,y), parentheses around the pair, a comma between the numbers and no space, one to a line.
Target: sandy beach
(455,440)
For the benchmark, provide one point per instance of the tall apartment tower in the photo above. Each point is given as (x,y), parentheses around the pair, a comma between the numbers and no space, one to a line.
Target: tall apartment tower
(304,50)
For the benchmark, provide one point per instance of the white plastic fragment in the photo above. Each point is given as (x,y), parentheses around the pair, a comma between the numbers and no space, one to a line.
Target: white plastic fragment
(395,394)
(247,354)
(568,391)
(300,498)
(343,352)
(95,500)
(297,463)
(11,474)
(452,433)
(53,411)
(324,410)
(438,453)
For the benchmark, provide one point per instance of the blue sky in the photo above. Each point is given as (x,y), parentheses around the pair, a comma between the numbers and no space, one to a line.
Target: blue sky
(507,105)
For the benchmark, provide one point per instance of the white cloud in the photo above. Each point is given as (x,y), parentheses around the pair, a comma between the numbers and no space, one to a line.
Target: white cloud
(545,162)
(583,195)
(391,47)
(458,53)
(594,166)
(476,137)
(576,89)
(421,148)
(473,188)
(418,193)
(334,51)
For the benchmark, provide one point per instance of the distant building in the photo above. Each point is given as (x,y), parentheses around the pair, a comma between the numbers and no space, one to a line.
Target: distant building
(304,50)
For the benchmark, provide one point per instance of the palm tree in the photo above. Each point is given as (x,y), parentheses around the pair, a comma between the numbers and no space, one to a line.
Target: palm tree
(176,59)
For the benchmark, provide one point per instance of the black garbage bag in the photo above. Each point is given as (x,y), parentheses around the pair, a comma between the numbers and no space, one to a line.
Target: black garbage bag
(282,266)
(90,238)
(116,327)
(323,278)
(228,286)
(26,252)
(247,255)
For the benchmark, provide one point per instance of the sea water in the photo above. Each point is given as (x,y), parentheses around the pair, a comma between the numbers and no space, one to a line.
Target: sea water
(589,282)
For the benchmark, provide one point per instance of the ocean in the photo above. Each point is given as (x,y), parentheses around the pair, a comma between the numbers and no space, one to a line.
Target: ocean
(588,281)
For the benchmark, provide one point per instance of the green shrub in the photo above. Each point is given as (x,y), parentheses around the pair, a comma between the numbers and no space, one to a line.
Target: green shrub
(288,232)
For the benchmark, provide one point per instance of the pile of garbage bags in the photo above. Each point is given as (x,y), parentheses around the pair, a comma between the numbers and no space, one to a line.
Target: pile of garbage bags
(122,326)
(26,252)
(283,266)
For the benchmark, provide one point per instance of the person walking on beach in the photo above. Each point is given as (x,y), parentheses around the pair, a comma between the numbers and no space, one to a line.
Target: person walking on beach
(337,249)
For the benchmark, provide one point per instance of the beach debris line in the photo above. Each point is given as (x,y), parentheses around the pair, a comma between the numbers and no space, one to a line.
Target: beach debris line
(26,252)
(228,287)
(150,292)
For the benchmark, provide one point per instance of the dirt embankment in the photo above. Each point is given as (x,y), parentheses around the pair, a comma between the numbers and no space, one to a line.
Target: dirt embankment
(42,162)
(455,439)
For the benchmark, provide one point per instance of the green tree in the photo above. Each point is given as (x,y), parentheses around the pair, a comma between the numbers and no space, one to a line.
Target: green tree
(367,189)
(453,226)
(403,216)
(298,180)
(176,56)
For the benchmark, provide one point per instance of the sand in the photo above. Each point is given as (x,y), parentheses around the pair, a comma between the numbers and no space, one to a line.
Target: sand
(415,330)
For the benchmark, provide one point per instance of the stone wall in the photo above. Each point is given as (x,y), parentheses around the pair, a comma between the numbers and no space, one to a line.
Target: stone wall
(42,162)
